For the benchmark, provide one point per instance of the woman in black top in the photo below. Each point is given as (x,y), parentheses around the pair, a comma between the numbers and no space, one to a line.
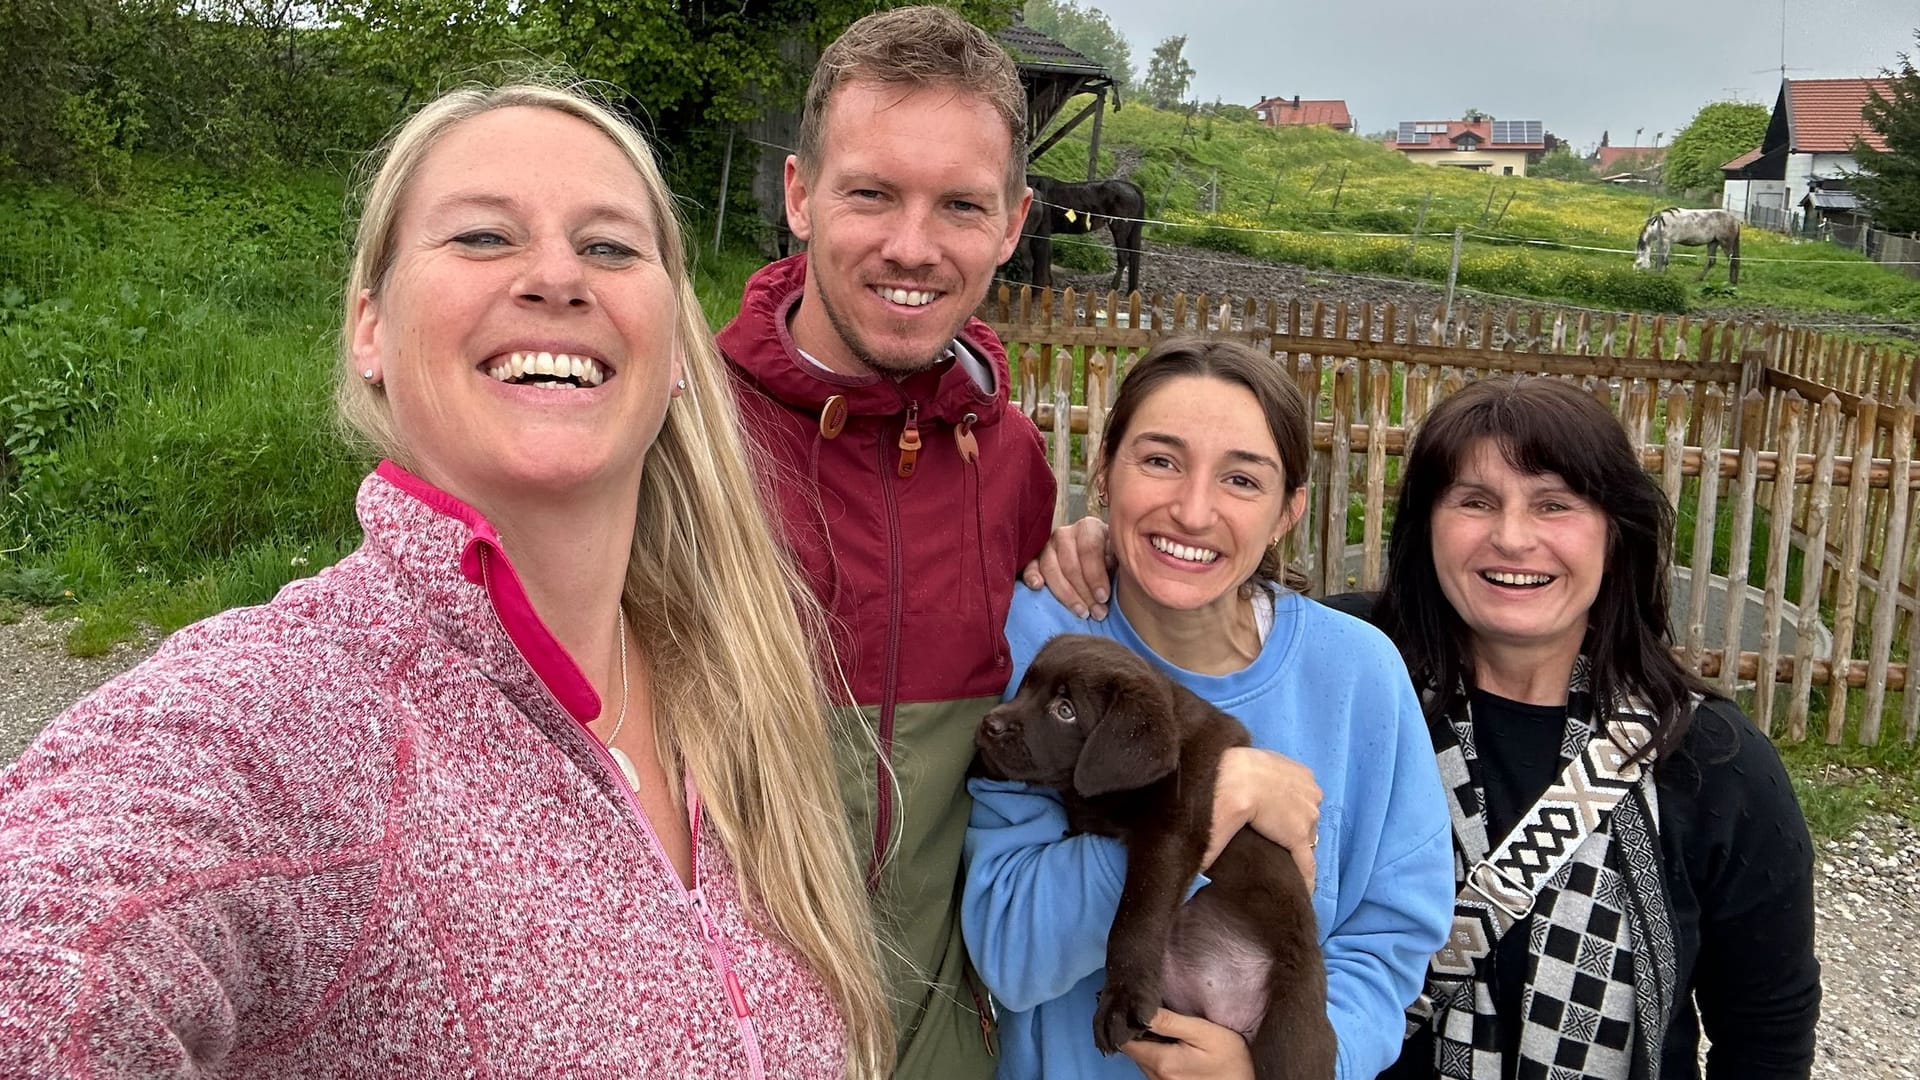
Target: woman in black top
(1527,590)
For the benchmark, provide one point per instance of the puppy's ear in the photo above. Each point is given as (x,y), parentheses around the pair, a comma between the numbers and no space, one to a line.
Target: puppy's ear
(1136,741)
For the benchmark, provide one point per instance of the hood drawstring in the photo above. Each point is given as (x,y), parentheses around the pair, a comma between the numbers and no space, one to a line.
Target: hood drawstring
(833,420)
(970,459)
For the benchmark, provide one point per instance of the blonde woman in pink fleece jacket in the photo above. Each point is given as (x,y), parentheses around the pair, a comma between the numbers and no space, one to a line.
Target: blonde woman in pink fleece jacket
(534,783)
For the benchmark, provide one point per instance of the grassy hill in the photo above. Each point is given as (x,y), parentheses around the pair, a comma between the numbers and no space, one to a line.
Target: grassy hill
(1319,198)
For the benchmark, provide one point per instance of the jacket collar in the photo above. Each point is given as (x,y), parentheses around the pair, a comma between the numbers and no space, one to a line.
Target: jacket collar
(451,558)
(760,346)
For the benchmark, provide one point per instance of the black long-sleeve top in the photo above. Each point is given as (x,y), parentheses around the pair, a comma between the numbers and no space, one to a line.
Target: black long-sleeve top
(1738,866)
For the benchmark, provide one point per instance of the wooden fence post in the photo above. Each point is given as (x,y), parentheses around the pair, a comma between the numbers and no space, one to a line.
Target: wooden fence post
(1826,436)
(1740,545)
(1062,430)
(1846,602)
(1706,505)
(1779,533)
(1891,556)
(1380,386)
(1333,550)
(1413,245)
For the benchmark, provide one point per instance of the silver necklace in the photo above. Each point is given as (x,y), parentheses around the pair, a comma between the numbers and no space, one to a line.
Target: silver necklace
(619,756)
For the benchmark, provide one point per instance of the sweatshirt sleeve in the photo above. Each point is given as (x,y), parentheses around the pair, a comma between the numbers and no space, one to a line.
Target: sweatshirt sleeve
(1376,956)
(153,909)
(1036,903)
(1757,983)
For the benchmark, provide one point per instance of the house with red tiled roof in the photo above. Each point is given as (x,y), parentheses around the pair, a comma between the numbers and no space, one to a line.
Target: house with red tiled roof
(1608,160)
(1293,112)
(1808,148)
(1493,146)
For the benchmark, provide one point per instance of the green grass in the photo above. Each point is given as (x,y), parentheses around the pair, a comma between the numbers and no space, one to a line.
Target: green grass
(1287,179)
(167,358)
(1840,787)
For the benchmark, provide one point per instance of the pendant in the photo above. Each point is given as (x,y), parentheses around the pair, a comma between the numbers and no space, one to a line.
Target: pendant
(626,767)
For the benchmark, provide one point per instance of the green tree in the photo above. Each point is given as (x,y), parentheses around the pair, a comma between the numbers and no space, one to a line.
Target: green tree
(1168,74)
(695,70)
(1889,179)
(1086,31)
(1560,163)
(1718,133)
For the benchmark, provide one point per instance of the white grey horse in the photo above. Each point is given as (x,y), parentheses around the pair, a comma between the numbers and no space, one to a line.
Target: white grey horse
(1714,228)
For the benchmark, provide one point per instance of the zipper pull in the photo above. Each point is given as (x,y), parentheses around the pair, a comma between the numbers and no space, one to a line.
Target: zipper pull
(963,438)
(708,931)
(909,441)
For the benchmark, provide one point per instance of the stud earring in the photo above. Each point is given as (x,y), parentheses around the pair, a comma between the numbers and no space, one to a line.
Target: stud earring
(681,385)
(367,374)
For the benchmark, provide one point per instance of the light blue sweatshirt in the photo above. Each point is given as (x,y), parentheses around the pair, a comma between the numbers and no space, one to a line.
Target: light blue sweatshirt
(1328,691)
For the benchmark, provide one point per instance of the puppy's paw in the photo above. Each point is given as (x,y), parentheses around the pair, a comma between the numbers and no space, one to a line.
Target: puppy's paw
(1122,1015)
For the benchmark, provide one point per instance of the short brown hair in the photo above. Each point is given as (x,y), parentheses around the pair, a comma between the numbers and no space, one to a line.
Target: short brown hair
(1282,405)
(916,47)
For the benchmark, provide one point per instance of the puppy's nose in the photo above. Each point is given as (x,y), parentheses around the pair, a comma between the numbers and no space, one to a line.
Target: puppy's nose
(994,724)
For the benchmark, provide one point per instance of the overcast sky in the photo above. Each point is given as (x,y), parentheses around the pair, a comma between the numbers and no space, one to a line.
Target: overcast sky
(1581,66)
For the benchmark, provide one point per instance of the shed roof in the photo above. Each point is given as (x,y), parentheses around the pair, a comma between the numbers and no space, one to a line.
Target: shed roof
(1831,200)
(1031,48)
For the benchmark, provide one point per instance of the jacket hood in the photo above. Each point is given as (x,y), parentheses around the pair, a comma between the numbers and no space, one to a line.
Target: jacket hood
(760,346)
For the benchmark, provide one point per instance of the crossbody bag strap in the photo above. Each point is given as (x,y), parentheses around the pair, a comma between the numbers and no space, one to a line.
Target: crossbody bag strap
(1500,889)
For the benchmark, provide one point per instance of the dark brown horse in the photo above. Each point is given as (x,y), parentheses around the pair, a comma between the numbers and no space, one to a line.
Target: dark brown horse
(1061,207)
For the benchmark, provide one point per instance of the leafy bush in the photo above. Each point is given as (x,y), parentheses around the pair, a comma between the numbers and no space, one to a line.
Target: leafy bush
(1634,290)
(35,585)
(1384,220)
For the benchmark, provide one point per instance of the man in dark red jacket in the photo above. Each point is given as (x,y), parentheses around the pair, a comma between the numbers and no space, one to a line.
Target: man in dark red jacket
(910,492)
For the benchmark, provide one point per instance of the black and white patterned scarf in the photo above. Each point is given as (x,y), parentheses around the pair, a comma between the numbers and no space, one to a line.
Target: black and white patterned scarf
(1601,968)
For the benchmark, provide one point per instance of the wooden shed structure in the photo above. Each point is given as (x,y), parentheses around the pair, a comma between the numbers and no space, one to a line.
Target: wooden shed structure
(1055,75)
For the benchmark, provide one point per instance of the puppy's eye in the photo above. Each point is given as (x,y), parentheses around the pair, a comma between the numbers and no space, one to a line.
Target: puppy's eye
(1063,710)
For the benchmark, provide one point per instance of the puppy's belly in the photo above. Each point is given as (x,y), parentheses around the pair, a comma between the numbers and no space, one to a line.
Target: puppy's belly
(1214,969)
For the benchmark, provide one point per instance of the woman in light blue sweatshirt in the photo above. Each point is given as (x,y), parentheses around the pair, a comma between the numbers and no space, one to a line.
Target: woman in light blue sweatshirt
(1203,468)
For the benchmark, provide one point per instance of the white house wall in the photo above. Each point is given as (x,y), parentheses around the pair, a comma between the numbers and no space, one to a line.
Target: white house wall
(1733,196)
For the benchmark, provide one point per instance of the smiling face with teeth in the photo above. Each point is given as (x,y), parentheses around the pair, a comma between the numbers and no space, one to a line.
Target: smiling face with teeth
(524,334)
(905,215)
(1197,493)
(1519,555)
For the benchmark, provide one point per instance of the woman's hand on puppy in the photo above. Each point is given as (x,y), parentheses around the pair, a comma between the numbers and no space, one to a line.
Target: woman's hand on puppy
(1273,793)
(1205,1051)
(1074,566)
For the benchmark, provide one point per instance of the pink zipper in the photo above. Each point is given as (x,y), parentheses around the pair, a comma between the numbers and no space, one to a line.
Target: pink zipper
(693,898)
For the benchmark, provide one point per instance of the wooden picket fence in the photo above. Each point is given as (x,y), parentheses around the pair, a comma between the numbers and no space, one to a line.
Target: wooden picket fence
(1753,429)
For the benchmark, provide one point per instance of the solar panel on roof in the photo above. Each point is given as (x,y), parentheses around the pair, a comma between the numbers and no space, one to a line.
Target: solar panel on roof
(1409,133)
(1518,131)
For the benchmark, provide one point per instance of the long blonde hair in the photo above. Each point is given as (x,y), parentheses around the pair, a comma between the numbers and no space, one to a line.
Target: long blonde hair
(712,597)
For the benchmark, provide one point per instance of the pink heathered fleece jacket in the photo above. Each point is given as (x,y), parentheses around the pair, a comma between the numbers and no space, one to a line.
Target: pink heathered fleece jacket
(361,831)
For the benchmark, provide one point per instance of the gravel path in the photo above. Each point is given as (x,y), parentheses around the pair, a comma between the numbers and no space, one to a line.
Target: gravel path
(1868,884)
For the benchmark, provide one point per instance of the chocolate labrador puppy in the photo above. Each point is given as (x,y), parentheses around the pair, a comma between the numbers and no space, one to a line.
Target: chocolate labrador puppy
(1135,756)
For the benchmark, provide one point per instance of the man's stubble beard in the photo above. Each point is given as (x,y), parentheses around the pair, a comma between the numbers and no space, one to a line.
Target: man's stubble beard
(861,352)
